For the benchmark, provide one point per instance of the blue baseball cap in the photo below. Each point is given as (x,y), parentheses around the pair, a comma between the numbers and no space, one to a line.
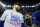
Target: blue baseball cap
(36,17)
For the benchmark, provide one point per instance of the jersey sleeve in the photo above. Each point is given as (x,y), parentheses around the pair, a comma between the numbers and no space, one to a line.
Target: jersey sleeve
(3,17)
(22,19)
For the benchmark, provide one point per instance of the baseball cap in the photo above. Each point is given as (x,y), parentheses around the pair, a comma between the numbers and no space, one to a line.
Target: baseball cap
(36,17)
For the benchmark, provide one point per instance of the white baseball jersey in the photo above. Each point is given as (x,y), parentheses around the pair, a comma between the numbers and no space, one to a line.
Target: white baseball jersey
(12,18)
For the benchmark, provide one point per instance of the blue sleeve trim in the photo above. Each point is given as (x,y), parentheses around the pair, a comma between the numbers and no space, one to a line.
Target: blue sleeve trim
(1,23)
(23,25)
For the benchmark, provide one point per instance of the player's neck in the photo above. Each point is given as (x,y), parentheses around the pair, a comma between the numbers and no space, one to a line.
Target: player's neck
(15,9)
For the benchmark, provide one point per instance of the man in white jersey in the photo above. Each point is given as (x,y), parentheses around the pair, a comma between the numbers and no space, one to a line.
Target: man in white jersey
(13,18)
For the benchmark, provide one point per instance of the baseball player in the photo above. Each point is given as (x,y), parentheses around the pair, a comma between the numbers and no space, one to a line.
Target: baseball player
(36,19)
(13,18)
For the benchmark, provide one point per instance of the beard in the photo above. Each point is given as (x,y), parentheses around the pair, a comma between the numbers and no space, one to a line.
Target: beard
(18,10)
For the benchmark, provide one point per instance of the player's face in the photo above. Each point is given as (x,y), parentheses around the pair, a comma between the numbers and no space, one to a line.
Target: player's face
(17,7)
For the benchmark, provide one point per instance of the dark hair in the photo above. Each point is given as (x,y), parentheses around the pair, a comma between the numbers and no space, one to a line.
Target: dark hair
(17,3)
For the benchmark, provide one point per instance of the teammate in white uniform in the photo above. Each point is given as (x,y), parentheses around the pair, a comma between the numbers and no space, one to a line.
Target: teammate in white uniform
(12,18)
